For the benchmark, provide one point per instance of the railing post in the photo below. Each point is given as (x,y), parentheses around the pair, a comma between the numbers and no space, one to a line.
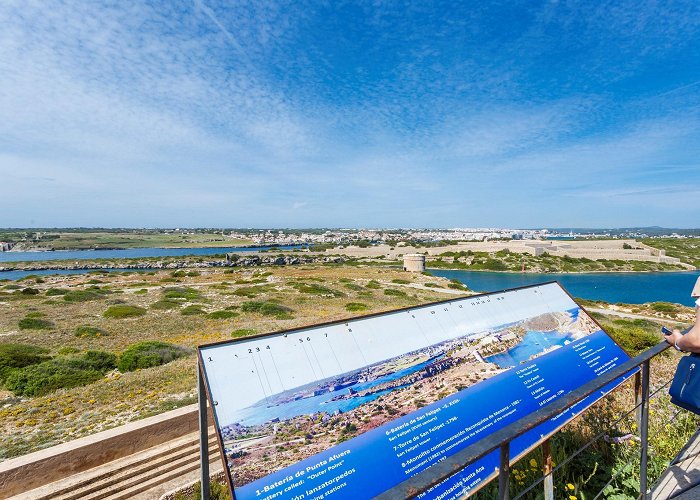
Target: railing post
(644,432)
(547,470)
(504,472)
(203,435)
(638,397)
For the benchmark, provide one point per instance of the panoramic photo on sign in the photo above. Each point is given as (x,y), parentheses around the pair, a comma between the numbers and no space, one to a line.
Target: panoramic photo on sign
(351,409)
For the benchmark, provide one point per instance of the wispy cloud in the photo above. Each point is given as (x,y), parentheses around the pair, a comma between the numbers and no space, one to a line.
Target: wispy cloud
(211,113)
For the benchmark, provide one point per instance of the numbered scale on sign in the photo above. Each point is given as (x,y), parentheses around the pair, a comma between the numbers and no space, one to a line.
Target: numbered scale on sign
(337,410)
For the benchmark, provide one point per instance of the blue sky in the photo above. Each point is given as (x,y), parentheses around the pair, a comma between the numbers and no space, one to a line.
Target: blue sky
(370,114)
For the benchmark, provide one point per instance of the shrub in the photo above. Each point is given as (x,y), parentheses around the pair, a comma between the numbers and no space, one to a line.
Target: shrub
(119,311)
(249,291)
(86,331)
(400,281)
(634,336)
(93,293)
(60,372)
(267,309)
(29,291)
(30,323)
(243,332)
(182,292)
(51,292)
(192,310)
(396,293)
(148,354)
(178,274)
(356,306)
(314,289)
(495,265)
(664,307)
(222,315)
(165,305)
(373,284)
(14,356)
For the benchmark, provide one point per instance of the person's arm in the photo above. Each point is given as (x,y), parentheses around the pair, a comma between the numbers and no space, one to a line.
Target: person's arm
(690,342)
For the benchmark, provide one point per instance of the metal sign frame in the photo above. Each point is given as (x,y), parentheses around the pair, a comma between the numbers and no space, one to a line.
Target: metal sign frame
(205,395)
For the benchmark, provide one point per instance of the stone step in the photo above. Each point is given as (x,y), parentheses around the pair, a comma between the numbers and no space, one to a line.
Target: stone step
(138,489)
(123,474)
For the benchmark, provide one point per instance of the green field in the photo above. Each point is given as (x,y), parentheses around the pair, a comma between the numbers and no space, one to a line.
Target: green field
(545,263)
(686,249)
(77,240)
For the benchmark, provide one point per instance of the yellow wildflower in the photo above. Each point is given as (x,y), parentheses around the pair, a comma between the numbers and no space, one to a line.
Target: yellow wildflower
(533,463)
(571,497)
(571,486)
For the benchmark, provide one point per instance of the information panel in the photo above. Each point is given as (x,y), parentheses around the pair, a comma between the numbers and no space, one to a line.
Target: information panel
(349,410)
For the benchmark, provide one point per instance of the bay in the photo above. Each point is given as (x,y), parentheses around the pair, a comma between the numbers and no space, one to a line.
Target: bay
(131,253)
(628,288)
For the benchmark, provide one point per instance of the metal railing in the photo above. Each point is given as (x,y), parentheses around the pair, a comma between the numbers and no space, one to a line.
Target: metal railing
(501,439)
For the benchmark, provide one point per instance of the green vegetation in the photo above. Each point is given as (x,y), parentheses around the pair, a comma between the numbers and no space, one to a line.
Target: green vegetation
(192,310)
(356,306)
(314,289)
(13,356)
(267,309)
(373,285)
(222,315)
(252,291)
(34,323)
(353,286)
(148,354)
(165,305)
(243,332)
(87,331)
(125,238)
(400,281)
(120,311)
(633,335)
(92,293)
(394,292)
(686,249)
(457,285)
(52,292)
(60,372)
(509,261)
(185,293)
(666,307)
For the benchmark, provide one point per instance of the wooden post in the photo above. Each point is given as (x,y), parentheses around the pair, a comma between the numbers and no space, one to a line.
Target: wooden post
(504,472)
(547,470)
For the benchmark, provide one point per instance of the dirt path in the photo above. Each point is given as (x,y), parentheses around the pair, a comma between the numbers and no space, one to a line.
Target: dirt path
(633,316)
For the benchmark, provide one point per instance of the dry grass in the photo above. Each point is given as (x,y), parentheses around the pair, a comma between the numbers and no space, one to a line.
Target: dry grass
(30,424)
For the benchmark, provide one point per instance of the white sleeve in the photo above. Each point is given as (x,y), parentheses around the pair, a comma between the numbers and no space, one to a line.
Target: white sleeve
(697,302)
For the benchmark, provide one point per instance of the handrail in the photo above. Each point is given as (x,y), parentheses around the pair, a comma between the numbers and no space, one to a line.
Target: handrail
(456,462)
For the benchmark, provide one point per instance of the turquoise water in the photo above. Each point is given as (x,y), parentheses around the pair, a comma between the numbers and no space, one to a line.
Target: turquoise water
(130,253)
(531,344)
(628,288)
(264,411)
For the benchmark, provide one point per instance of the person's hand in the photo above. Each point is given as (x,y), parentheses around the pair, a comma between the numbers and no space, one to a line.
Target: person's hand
(674,337)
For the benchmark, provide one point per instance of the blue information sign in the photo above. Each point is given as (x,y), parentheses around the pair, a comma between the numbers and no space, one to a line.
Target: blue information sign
(349,410)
